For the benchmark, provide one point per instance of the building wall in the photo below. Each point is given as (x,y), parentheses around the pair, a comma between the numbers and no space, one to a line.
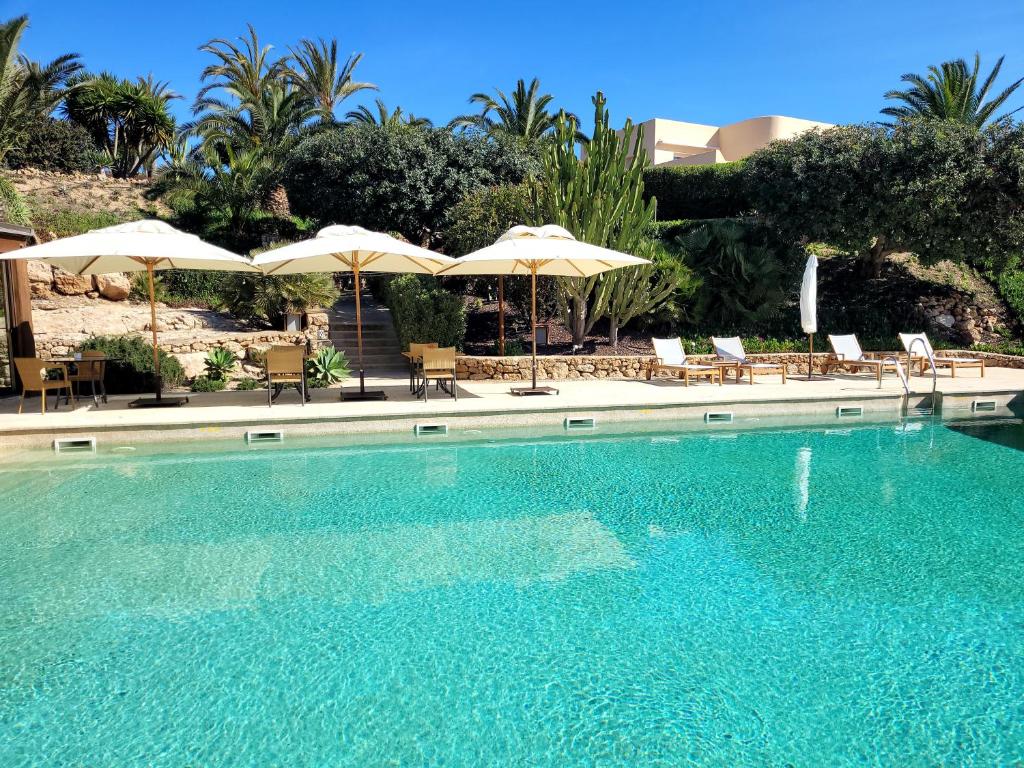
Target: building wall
(672,142)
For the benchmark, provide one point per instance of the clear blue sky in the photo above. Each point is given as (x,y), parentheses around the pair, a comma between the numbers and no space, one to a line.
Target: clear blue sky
(823,60)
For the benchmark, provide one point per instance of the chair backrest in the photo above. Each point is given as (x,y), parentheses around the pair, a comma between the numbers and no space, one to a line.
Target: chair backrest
(415,350)
(846,347)
(93,369)
(31,371)
(281,359)
(439,359)
(730,348)
(921,347)
(670,351)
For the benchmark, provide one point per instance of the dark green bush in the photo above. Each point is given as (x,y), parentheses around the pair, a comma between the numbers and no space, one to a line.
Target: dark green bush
(193,286)
(206,384)
(55,145)
(1010,284)
(423,311)
(130,364)
(697,191)
(247,384)
(404,181)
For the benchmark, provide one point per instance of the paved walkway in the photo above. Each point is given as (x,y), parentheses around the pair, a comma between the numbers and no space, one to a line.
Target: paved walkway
(490,403)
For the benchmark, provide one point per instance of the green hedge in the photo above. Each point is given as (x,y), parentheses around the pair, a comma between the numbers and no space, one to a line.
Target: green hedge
(697,191)
(422,311)
(1010,284)
(130,364)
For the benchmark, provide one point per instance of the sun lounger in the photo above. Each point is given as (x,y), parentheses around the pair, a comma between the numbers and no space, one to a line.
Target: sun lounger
(912,346)
(670,357)
(730,352)
(846,353)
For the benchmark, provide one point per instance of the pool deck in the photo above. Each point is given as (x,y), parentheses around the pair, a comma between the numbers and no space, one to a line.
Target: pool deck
(490,404)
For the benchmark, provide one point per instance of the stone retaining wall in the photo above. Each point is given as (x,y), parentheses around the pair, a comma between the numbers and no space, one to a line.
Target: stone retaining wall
(565,367)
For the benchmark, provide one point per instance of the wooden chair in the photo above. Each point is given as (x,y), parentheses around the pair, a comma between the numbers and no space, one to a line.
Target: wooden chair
(940,361)
(670,357)
(439,367)
(285,365)
(32,372)
(415,355)
(730,352)
(846,353)
(92,372)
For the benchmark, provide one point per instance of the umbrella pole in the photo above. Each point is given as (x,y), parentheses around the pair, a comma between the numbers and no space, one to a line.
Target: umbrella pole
(152,324)
(533,318)
(810,359)
(359,326)
(501,315)
(362,394)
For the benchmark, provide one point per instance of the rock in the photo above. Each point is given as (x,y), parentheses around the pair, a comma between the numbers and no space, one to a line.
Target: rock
(69,284)
(114,287)
(38,272)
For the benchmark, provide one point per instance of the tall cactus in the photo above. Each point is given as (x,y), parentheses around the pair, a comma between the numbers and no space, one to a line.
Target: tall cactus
(598,196)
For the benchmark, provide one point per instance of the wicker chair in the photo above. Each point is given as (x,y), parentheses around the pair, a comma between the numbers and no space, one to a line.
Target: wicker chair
(286,365)
(439,367)
(32,371)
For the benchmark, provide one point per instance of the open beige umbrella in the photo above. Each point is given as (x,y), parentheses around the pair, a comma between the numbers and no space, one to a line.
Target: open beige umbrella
(147,245)
(342,248)
(546,250)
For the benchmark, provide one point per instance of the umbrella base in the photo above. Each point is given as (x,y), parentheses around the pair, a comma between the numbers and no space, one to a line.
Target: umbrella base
(155,402)
(529,391)
(363,394)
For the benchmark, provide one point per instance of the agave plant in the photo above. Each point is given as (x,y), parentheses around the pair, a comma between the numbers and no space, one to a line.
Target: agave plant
(219,363)
(326,367)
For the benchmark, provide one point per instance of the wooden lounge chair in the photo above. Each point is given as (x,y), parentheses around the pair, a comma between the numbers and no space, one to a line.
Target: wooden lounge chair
(415,355)
(92,372)
(846,353)
(439,367)
(730,352)
(912,346)
(33,371)
(670,357)
(286,365)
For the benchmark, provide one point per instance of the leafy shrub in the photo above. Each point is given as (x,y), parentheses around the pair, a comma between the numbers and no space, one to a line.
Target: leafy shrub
(219,363)
(1010,284)
(328,366)
(513,348)
(65,223)
(268,297)
(697,191)
(744,272)
(247,384)
(397,180)
(482,216)
(130,364)
(56,145)
(423,311)
(193,286)
(207,384)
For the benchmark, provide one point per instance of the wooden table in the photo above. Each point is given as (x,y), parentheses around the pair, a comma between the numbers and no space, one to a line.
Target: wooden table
(76,361)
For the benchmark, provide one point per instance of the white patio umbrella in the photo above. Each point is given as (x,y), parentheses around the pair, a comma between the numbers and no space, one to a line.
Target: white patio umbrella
(342,248)
(809,307)
(546,250)
(147,245)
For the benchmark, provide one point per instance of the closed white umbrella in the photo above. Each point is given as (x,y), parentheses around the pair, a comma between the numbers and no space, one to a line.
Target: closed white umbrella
(342,248)
(809,307)
(147,245)
(546,250)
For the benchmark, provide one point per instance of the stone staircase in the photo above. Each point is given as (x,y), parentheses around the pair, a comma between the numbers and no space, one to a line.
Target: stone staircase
(381,351)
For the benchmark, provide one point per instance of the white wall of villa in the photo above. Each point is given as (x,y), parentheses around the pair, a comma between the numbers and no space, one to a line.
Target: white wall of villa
(672,142)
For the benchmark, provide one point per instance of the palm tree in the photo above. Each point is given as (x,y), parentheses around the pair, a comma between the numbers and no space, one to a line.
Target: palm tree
(951,92)
(318,76)
(28,89)
(130,120)
(524,114)
(385,119)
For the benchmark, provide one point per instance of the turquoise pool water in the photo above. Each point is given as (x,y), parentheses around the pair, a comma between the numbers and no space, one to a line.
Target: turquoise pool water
(764,598)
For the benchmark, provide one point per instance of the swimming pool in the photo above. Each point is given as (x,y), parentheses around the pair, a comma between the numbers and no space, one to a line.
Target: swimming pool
(804,597)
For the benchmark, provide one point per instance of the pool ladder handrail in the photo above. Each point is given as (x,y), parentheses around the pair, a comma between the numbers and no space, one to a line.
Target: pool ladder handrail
(931,362)
(899,371)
